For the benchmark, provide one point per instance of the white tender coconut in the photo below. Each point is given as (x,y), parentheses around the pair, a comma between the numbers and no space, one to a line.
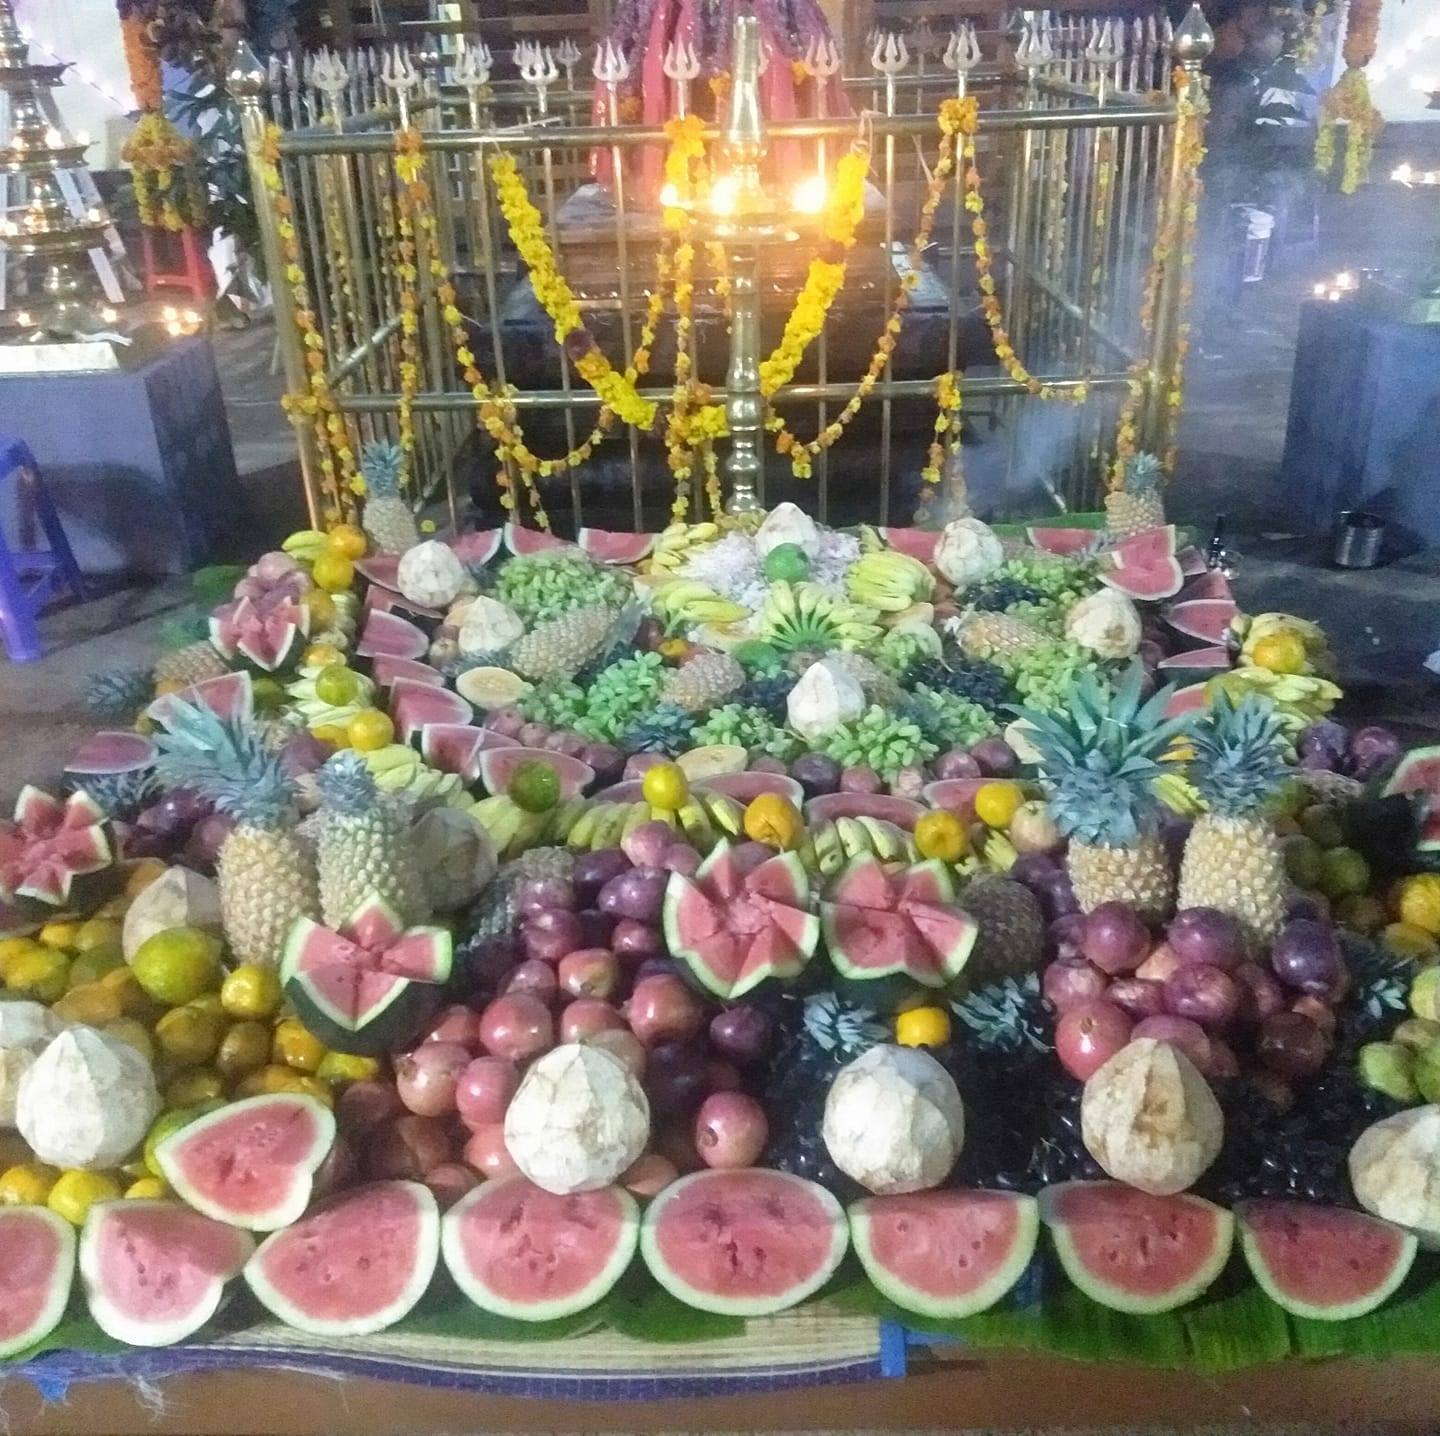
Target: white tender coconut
(15,1062)
(894,1121)
(788,523)
(825,697)
(25,1028)
(968,552)
(87,1101)
(431,574)
(1150,1119)
(1106,623)
(1395,1170)
(178,898)
(489,627)
(456,855)
(579,1119)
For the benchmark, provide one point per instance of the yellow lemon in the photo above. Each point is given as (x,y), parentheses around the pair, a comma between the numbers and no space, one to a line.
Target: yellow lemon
(772,819)
(251,991)
(347,1067)
(1282,651)
(322,655)
(923,1027)
(1406,940)
(296,1047)
(75,1192)
(369,730)
(665,786)
(333,572)
(996,803)
(1418,902)
(147,1189)
(177,965)
(41,973)
(942,835)
(60,935)
(12,948)
(27,1184)
(347,540)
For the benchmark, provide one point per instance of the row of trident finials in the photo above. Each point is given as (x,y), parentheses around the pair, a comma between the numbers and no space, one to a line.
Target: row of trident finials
(1102,54)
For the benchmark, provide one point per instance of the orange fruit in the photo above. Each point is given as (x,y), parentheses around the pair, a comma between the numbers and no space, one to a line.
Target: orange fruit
(665,786)
(370,729)
(347,540)
(923,1027)
(333,572)
(941,835)
(774,820)
(996,803)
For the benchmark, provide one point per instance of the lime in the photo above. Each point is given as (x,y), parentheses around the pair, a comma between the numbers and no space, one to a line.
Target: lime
(178,965)
(199,1084)
(1304,861)
(250,991)
(269,693)
(92,966)
(1343,873)
(166,1123)
(333,572)
(788,563)
(534,786)
(1361,913)
(244,1048)
(75,1192)
(665,786)
(757,656)
(296,1047)
(1404,939)
(188,1035)
(336,685)
(133,1001)
(321,608)
(42,973)
(26,1184)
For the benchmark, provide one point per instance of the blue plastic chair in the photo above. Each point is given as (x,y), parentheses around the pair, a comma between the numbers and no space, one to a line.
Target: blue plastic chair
(29,578)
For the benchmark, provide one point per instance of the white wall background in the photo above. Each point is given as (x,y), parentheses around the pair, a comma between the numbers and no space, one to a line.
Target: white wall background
(1409,50)
(96,95)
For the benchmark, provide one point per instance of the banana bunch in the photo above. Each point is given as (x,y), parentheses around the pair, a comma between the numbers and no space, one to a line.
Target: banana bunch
(594,825)
(1251,628)
(1178,794)
(676,544)
(890,581)
(1300,698)
(510,827)
(828,846)
(871,539)
(803,615)
(306,545)
(399,770)
(685,600)
(314,711)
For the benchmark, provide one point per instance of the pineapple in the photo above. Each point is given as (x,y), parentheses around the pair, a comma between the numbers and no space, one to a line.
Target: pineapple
(561,647)
(192,664)
(988,634)
(666,728)
(1138,505)
(118,693)
(1012,928)
(879,686)
(362,842)
(703,682)
(387,519)
(1098,759)
(267,875)
(1233,859)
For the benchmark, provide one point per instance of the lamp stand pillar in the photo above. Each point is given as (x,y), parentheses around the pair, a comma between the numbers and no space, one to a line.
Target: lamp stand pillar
(744,405)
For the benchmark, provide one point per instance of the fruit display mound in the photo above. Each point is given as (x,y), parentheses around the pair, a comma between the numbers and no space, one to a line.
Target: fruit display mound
(989,931)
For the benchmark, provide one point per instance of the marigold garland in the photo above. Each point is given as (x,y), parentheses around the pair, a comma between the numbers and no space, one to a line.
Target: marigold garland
(169,190)
(412,199)
(1348,102)
(142,60)
(316,405)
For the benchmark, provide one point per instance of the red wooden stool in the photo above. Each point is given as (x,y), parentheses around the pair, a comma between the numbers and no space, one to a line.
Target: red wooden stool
(196,275)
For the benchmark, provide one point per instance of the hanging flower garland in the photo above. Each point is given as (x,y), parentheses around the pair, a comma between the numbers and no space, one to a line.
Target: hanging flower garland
(142,60)
(335,456)
(949,401)
(165,170)
(412,200)
(1348,101)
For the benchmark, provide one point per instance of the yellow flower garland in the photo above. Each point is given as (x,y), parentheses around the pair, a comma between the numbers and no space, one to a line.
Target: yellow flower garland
(158,154)
(1348,103)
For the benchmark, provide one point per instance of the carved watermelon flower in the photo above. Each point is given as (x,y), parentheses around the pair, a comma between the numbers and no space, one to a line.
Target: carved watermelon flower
(48,845)
(266,633)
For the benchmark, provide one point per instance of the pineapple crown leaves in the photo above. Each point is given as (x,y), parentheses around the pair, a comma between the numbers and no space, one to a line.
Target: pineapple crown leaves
(382,465)
(1143,474)
(1005,1016)
(841,1028)
(1238,760)
(666,728)
(1099,755)
(118,692)
(228,763)
(347,788)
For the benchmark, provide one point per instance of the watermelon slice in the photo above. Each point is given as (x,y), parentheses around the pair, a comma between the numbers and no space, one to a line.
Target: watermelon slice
(743,1242)
(946,1253)
(476,549)
(267,639)
(903,812)
(1417,772)
(735,929)
(108,753)
(413,705)
(230,696)
(382,569)
(522,1252)
(1193,699)
(1144,566)
(955,795)
(879,924)
(453,748)
(371,986)
(37,1266)
(250,1164)
(1064,543)
(388,671)
(498,765)
(609,546)
(1195,665)
(387,635)
(155,1272)
(1210,583)
(355,1265)
(1205,619)
(746,787)
(520,540)
(1135,1252)
(916,543)
(1327,1263)
(1192,561)
(49,847)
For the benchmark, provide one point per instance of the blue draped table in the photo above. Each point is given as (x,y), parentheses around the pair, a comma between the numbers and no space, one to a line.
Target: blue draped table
(1364,428)
(139,462)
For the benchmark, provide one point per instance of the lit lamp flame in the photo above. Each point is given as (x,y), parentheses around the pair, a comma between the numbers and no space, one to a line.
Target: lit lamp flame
(1336,289)
(723,194)
(669,195)
(809,196)
(109,315)
(54,140)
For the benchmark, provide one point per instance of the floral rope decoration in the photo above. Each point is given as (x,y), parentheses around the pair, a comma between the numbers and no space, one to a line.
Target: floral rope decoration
(412,200)
(164,165)
(316,406)
(949,400)
(1348,101)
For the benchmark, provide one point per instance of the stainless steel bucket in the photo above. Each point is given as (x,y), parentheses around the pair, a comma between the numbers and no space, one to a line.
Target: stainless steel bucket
(1358,539)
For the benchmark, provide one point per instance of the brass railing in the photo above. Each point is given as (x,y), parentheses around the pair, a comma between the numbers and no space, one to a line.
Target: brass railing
(1078,147)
